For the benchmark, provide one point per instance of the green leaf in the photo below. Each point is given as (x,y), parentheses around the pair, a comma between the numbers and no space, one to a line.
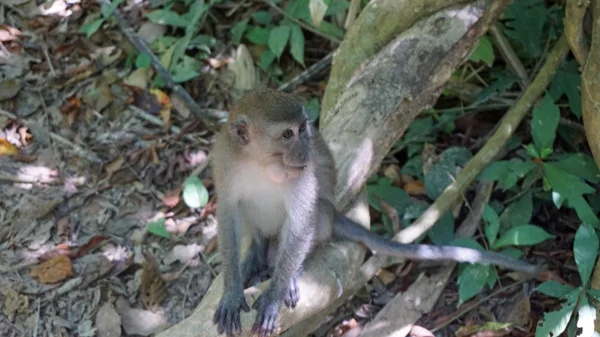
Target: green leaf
(203,40)
(278,39)
(195,193)
(492,225)
(142,61)
(442,231)
(414,167)
(258,35)
(512,252)
(567,81)
(554,289)
(502,82)
(525,25)
(337,6)
(492,278)
(418,128)
(298,9)
(580,165)
(456,155)
(159,228)
(312,108)
(570,187)
(484,51)
(167,17)
(544,121)
(555,322)
(266,59)
(438,178)
(237,32)
(467,243)
(331,30)
(471,281)
(392,195)
(520,211)
(91,27)
(525,235)
(108,10)
(186,69)
(507,173)
(262,17)
(297,43)
(585,249)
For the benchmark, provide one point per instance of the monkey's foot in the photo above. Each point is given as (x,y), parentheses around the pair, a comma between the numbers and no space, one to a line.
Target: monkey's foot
(227,315)
(292,296)
(267,314)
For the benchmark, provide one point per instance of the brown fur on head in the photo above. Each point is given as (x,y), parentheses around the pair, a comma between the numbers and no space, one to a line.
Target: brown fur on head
(273,128)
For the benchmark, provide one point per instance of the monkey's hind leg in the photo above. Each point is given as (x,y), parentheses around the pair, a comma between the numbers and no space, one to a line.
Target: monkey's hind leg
(297,239)
(255,261)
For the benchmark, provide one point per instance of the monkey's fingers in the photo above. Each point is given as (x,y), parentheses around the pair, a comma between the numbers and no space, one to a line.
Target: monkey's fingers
(267,315)
(244,306)
(292,296)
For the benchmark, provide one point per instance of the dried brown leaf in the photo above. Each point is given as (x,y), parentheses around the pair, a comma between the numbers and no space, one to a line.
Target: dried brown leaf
(6,148)
(415,187)
(53,271)
(152,290)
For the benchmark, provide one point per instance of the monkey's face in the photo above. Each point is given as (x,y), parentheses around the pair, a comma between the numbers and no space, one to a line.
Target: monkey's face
(283,148)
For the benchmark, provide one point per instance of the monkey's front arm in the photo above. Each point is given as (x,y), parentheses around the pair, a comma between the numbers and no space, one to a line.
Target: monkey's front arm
(227,315)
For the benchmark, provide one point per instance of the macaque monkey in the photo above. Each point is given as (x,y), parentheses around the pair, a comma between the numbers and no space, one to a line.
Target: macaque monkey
(275,178)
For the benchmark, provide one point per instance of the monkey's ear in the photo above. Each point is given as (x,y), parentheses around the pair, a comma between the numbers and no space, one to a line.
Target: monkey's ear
(239,131)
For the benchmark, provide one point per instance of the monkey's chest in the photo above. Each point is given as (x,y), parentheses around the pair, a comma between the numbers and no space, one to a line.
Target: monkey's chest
(262,203)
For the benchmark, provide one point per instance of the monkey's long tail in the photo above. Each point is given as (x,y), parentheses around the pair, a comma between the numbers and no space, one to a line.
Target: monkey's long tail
(344,228)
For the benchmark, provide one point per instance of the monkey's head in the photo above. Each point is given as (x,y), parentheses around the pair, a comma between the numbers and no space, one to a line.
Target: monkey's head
(273,128)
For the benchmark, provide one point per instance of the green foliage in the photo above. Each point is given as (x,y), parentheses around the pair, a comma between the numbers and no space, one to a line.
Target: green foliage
(484,51)
(159,228)
(443,172)
(286,33)
(195,194)
(142,61)
(524,235)
(471,281)
(566,81)
(576,303)
(106,11)
(525,22)
(544,122)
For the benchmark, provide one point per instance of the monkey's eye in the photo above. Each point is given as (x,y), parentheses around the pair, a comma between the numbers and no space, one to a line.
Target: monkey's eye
(287,134)
(302,127)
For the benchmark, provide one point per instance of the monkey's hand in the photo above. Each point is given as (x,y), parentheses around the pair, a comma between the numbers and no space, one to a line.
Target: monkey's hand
(292,295)
(227,316)
(267,313)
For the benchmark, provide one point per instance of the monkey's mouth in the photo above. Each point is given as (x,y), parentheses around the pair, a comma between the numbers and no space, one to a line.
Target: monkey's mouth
(296,168)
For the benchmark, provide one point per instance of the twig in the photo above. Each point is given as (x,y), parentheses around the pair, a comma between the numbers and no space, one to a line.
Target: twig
(208,115)
(307,74)
(352,13)
(302,24)
(509,54)
(79,151)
